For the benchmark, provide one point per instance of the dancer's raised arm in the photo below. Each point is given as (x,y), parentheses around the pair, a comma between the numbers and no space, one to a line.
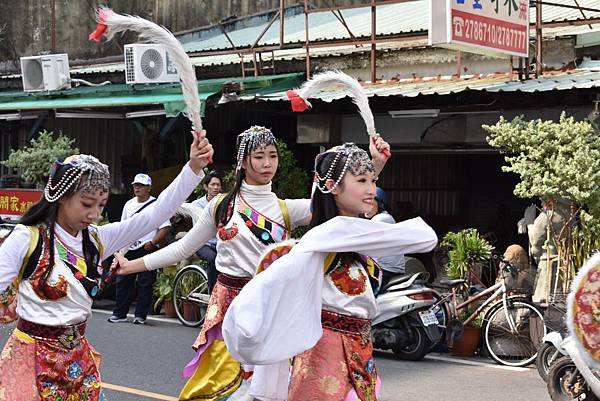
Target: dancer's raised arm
(117,235)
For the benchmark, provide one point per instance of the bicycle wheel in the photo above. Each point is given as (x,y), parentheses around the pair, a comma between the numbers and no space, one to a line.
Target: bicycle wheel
(190,295)
(514,334)
(440,309)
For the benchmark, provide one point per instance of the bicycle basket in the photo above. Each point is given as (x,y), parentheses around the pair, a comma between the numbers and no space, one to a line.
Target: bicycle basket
(523,282)
(556,313)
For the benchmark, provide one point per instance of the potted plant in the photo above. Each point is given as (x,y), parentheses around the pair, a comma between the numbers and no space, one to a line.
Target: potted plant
(34,161)
(193,283)
(466,345)
(163,290)
(465,249)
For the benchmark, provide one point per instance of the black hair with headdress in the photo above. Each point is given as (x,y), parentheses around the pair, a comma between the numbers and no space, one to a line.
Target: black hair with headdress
(253,138)
(78,173)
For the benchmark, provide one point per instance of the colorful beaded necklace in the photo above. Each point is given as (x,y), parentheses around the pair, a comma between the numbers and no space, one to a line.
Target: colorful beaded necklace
(67,255)
(76,263)
(266,230)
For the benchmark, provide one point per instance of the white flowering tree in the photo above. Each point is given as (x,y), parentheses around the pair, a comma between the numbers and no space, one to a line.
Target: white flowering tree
(558,162)
(35,161)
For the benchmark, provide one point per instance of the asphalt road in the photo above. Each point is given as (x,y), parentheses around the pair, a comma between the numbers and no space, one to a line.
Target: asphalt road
(148,359)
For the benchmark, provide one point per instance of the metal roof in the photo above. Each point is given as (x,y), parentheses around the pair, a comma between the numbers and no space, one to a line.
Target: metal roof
(392,19)
(575,79)
(121,95)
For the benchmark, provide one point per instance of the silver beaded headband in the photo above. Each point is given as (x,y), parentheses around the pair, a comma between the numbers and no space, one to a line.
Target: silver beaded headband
(357,162)
(85,172)
(253,138)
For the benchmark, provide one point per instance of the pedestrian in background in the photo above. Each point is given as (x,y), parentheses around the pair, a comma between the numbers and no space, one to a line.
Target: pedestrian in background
(212,183)
(144,281)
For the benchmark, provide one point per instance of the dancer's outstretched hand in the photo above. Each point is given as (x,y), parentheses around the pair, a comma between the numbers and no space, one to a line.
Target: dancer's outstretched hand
(201,151)
(377,148)
(122,266)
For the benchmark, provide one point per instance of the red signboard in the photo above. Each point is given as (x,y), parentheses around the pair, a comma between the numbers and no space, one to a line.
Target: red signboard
(15,202)
(490,32)
(497,27)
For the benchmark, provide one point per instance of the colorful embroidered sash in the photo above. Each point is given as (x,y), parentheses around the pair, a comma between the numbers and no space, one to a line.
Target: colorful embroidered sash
(266,230)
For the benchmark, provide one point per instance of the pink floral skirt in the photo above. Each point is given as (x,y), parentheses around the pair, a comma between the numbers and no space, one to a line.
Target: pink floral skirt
(340,366)
(44,370)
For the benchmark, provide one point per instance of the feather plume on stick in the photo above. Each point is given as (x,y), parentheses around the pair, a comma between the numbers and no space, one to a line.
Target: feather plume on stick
(320,82)
(111,23)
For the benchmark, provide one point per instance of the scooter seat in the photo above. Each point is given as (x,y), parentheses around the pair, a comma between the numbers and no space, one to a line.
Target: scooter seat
(452,283)
(421,277)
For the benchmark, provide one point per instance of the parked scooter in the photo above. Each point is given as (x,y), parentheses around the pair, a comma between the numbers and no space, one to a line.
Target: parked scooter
(570,377)
(404,322)
(551,350)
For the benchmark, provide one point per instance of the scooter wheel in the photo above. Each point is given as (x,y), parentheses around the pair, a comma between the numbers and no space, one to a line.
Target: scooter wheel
(547,354)
(565,382)
(416,349)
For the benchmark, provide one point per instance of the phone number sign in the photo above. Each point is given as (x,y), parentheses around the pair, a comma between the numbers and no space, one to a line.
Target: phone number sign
(497,27)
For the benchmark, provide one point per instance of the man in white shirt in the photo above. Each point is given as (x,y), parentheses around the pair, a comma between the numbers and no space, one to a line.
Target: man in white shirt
(144,281)
(391,265)
(212,183)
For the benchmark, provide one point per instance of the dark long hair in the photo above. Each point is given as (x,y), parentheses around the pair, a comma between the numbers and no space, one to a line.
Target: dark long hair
(225,209)
(323,205)
(44,212)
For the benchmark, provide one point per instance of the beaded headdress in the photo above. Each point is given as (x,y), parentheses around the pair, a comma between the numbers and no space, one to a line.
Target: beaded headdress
(252,139)
(84,173)
(357,162)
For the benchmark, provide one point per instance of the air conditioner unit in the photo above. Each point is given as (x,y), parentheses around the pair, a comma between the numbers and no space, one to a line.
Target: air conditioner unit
(49,72)
(148,63)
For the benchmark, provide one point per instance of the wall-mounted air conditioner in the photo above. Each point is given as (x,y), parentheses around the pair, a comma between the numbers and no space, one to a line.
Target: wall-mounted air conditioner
(49,72)
(148,63)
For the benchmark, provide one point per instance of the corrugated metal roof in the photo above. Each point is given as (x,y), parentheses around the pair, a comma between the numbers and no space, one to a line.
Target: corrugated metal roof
(576,79)
(119,95)
(392,19)
(325,26)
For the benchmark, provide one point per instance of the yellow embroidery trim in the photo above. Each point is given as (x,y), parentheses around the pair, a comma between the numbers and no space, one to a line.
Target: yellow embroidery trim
(23,336)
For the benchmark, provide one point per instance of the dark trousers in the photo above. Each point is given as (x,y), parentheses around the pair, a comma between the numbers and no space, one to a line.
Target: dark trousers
(209,254)
(126,289)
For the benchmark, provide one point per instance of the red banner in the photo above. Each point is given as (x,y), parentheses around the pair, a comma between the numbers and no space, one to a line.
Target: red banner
(16,202)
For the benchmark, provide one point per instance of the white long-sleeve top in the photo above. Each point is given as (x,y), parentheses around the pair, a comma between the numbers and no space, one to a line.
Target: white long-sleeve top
(277,315)
(239,255)
(76,306)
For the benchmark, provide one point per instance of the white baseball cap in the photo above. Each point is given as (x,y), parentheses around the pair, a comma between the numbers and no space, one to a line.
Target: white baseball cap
(143,179)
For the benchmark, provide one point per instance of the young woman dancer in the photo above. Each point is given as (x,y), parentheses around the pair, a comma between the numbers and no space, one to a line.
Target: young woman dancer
(247,220)
(54,253)
(316,303)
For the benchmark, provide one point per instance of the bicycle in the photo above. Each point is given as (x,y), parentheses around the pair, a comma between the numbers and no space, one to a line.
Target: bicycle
(513,326)
(190,295)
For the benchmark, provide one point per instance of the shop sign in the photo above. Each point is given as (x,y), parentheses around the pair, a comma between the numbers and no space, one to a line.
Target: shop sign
(495,27)
(15,202)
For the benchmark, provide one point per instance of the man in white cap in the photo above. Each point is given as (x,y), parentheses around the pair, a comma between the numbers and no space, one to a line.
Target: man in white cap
(144,281)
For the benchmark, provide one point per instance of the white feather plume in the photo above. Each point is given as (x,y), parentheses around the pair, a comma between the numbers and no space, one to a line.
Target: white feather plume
(328,79)
(118,23)
(189,210)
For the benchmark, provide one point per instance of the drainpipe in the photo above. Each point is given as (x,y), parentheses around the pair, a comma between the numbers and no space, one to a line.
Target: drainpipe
(539,68)
(53,26)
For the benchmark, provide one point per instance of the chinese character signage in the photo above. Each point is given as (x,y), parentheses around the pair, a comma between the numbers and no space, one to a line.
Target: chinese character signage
(497,27)
(15,202)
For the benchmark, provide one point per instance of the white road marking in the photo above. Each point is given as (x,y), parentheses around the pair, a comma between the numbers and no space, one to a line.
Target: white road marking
(437,357)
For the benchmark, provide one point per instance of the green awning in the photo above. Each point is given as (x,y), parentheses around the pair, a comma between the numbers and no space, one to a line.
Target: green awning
(121,95)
